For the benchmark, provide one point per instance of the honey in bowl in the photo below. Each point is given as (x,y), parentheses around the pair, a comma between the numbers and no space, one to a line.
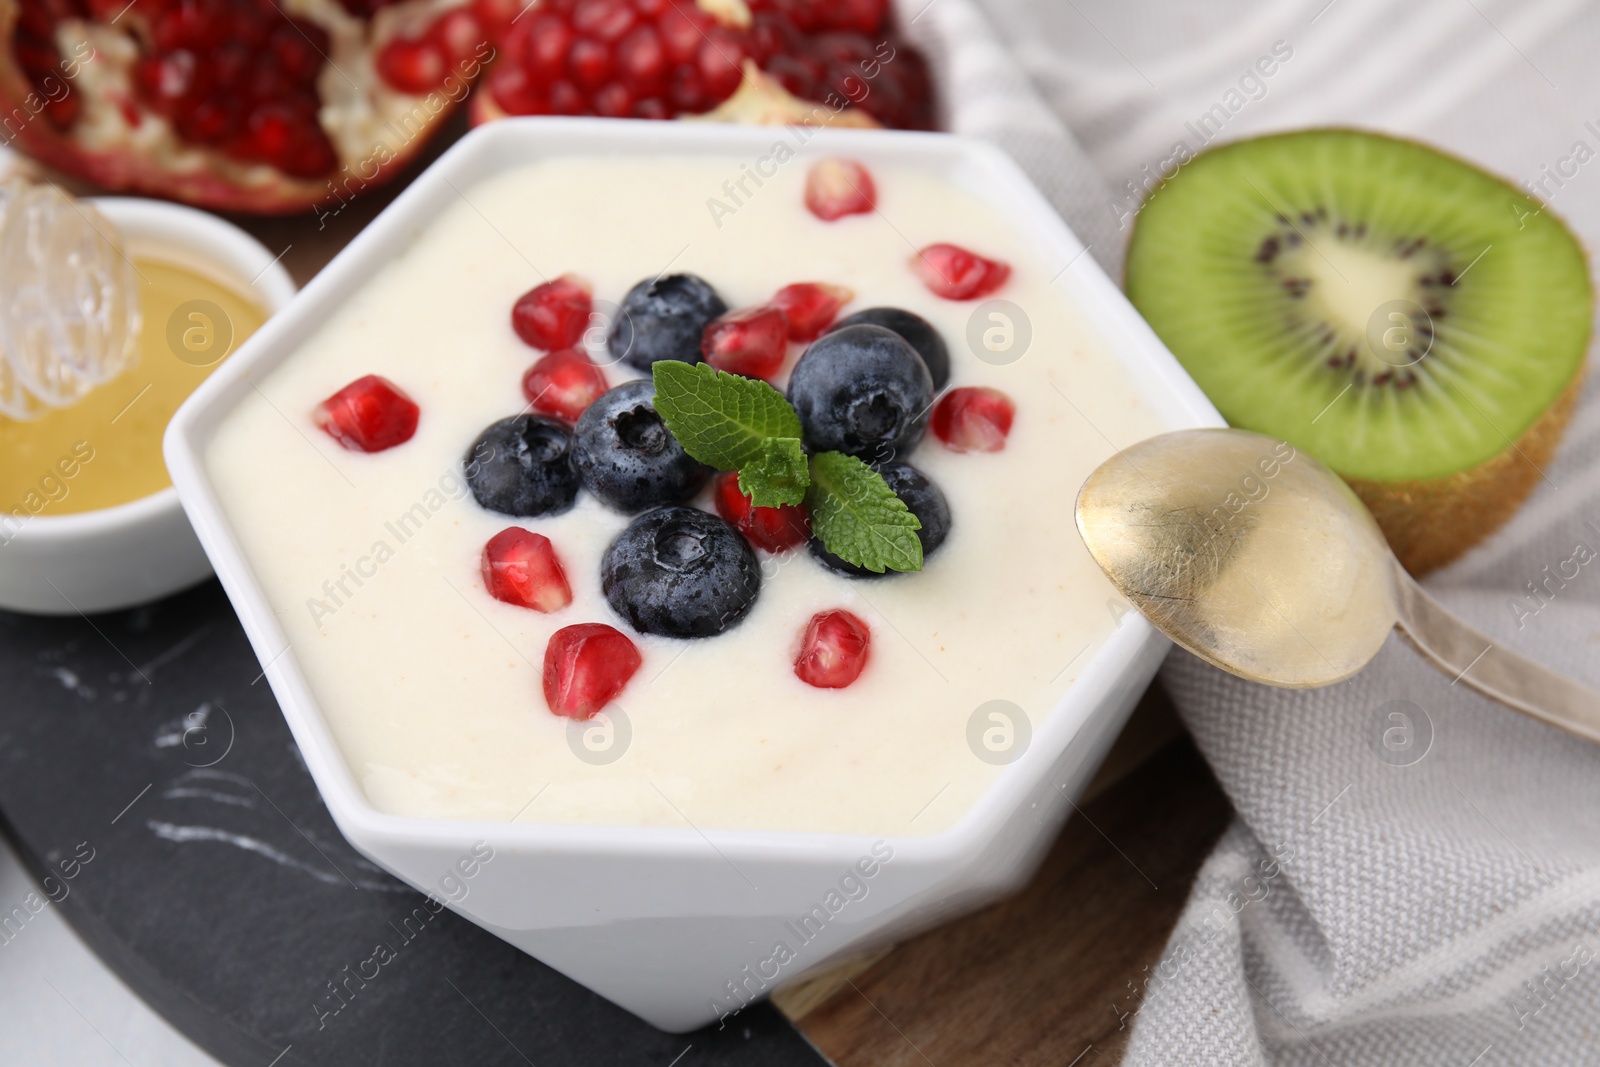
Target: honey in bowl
(105,449)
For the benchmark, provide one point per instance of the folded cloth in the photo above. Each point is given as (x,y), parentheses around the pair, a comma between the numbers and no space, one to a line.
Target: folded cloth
(1413,876)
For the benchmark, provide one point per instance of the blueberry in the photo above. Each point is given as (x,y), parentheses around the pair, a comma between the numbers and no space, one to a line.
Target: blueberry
(925,501)
(862,390)
(680,572)
(663,318)
(627,457)
(915,329)
(523,466)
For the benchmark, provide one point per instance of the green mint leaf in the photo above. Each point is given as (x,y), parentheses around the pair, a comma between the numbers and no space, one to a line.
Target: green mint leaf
(858,518)
(721,419)
(779,476)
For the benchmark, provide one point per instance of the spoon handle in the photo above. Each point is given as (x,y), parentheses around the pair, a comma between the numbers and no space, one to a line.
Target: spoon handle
(1476,660)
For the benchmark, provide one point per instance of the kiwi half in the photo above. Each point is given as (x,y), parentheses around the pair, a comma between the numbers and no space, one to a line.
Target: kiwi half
(1416,324)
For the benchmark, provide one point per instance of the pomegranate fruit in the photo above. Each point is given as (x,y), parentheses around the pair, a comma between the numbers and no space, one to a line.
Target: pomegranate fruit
(238,104)
(657,59)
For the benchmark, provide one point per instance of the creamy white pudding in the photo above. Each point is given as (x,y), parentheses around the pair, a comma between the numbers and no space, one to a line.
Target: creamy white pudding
(432,687)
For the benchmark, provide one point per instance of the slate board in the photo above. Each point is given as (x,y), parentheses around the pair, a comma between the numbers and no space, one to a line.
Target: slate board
(221,891)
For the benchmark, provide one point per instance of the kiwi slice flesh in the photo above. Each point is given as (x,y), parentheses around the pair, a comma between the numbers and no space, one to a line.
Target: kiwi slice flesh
(1396,312)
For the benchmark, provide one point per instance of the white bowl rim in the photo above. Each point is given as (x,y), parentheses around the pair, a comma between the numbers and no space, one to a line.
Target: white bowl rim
(355,814)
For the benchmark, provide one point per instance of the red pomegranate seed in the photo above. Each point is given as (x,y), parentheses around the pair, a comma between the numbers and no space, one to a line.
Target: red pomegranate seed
(682,31)
(585,666)
(613,101)
(839,187)
(496,15)
(553,315)
(749,341)
(549,38)
(774,529)
(973,419)
(458,34)
(521,568)
(721,63)
(954,273)
(811,307)
(590,63)
(833,651)
(565,98)
(563,383)
(642,62)
(368,415)
(412,65)
(516,92)
(606,20)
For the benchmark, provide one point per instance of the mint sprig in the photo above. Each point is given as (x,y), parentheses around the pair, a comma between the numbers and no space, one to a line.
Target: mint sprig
(743,424)
(778,475)
(719,418)
(858,517)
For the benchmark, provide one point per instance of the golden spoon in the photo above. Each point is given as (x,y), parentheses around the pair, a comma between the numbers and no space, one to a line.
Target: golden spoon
(1261,561)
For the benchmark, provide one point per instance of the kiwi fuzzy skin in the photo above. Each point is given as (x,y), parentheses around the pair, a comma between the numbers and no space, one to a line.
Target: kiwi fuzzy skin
(1433,523)
(1430,523)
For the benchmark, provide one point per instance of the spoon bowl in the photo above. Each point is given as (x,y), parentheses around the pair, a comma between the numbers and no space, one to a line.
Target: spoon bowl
(1246,552)
(1261,561)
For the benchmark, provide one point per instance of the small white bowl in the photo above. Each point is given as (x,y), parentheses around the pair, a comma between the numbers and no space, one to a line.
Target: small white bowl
(655,918)
(135,552)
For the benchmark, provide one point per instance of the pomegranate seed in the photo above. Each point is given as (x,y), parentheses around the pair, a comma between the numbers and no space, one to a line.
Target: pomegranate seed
(368,415)
(642,62)
(860,16)
(458,35)
(590,63)
(721,63)
(811,307)
(682,31)
(412,65)
(585,666)
(563,383)
(549,39)
(606,20)
(521,568)
(565,99)
(839,187)
(496,15)
(973,419)
(749,341)
(774,529)
(613,101)
(295,47)
(686,93)
(553,315)
(954,273)
(514,90)
(833,651)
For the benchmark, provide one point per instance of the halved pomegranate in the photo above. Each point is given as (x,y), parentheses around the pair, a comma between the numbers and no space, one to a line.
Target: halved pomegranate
(238,104)
(811,62)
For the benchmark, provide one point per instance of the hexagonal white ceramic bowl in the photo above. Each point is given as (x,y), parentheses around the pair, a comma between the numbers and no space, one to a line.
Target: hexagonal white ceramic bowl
(660,920)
